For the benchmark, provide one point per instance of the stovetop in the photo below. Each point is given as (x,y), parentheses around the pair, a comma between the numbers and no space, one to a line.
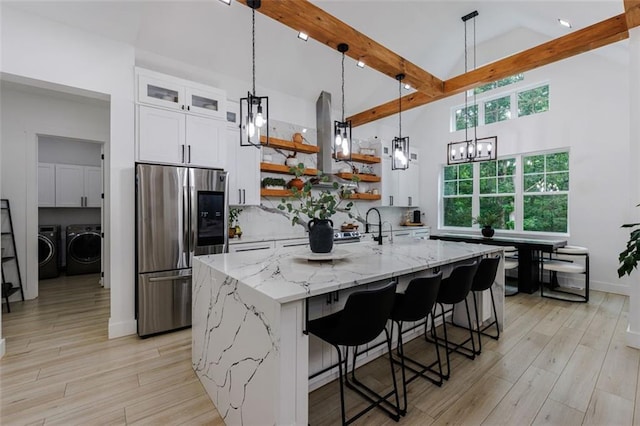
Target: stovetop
(346,236)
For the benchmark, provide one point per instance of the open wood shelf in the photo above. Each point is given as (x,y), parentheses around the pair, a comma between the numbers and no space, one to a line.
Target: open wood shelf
(289,145)
(284,169)
(363,178)
(364,197)
(360,158)
(275,192)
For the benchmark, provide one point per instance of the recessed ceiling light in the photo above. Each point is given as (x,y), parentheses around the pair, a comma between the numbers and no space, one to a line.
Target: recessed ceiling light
(304,130)
(303,36)
(360,64)
(407,86)
(227,2)
(564,23)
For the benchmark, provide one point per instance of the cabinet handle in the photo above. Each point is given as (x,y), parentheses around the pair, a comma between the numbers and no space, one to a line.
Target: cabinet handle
(390,200)
(244,196)
(239,196)
(188,107)
(182,106)
(189,152)
(182,154)
(410,202)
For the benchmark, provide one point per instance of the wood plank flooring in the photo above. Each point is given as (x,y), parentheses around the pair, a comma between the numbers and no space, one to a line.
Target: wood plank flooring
(555,364)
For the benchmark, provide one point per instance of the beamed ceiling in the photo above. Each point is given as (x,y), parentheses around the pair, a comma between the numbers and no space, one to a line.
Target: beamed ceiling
(424,39)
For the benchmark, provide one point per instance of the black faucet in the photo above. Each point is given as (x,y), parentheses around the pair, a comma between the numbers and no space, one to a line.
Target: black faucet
(366,225)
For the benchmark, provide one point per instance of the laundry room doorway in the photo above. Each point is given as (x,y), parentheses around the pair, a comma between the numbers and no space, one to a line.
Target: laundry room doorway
(70,176)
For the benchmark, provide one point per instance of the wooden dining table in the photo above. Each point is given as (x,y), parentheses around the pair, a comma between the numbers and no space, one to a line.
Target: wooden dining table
(530,253)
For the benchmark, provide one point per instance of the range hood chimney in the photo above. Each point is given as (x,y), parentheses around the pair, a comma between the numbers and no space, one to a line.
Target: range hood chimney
(324,124)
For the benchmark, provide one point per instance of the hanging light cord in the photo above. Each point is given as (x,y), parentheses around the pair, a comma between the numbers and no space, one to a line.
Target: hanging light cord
(400,108)
(475,128)
(343,87)
(466,108)
(253,47)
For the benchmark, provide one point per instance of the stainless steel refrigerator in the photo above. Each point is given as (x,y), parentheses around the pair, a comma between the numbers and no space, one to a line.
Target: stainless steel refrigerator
(181,212)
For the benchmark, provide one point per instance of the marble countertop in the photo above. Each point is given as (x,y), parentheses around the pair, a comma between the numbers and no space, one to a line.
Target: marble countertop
(281,276)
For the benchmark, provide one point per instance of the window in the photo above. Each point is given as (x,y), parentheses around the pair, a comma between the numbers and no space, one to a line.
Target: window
(546,192)
(497,190)
(463,121)
(529,191)
(501,108)
(458,192)
(533,101)
(497,110)
(499,83)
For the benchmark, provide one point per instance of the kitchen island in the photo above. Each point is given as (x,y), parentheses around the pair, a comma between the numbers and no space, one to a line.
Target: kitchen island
(250,350)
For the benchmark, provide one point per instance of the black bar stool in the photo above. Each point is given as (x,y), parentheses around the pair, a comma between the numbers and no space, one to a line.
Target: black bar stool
(455,289)
(415,304)
(483,280)
(363,318)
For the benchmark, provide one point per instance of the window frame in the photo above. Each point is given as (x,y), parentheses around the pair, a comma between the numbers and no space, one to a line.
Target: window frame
(518,196)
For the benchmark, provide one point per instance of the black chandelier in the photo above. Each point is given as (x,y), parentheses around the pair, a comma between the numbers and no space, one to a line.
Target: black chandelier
(475,149)
(342,129)
(254,110)
(400,144)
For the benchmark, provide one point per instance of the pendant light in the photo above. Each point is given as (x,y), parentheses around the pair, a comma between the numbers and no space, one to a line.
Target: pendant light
(342,129)
(400,145)
(254,110)
(476,149)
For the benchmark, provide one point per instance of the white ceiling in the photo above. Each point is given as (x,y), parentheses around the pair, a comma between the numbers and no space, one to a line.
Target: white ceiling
(212,36)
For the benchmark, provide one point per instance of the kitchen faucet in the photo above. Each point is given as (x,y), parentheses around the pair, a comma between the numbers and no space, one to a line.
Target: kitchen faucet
(390,231)
(366,225)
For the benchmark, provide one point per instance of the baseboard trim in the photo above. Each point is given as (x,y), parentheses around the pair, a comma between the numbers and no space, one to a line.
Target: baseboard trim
(610,288)
(122,328)
(3,348)
(633,338)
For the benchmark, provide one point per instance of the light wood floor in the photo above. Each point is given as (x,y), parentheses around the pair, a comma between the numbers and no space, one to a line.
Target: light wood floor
(556,363)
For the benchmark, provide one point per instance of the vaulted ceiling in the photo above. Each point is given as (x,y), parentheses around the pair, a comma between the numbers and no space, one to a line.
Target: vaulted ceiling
(427,33)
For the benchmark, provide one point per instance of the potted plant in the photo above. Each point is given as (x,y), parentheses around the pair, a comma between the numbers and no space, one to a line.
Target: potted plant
(273,183)
(487,220)
(296,182)
(234,225)
(318,206)
(629,257)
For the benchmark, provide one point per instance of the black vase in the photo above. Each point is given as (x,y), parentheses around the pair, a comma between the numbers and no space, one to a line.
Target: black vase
(488,231)
(321,235)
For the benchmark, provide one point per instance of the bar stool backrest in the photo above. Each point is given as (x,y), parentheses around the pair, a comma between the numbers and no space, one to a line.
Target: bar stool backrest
(419,298)
(365,315)
(456,287)
(486,274)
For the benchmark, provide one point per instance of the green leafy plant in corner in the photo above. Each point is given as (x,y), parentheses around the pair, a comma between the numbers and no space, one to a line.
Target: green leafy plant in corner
(234,214)
(316,204)
(631,255)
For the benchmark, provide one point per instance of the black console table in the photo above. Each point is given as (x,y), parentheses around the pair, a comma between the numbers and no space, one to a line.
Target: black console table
(529,254)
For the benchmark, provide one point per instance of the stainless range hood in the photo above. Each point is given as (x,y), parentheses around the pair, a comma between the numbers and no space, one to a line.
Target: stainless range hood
(324,124)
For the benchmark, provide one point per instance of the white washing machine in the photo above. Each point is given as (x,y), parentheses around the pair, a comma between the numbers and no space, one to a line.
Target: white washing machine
(48,251)
(83,249)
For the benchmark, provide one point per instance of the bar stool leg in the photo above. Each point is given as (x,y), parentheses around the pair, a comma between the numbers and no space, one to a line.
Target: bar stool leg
(342,410)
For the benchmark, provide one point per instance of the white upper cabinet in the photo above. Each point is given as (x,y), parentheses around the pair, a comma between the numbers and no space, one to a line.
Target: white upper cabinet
(243,163)
(46,185)
(175,93)
(401,188)
(180,122)
(77,186)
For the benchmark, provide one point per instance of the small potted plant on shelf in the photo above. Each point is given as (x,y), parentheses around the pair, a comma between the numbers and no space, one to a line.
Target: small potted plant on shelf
(318,206)
(487,220)
(273,183)
(234,225)
(296,182)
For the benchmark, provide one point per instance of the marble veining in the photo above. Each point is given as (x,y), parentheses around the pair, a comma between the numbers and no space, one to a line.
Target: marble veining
(278,275)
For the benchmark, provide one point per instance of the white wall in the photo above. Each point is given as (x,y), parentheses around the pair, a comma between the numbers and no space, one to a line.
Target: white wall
(589,114)
(47,54)
(26,114)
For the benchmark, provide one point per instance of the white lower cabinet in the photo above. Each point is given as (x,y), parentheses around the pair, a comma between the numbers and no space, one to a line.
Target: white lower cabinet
(77,186)
(243,247)
(294,242)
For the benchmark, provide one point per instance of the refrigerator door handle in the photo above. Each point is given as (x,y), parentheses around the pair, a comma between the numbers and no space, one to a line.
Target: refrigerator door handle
(170,278)
(182,153)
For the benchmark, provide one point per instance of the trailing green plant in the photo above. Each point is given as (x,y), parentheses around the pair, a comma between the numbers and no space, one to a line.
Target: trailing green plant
(314,204)
(631,255)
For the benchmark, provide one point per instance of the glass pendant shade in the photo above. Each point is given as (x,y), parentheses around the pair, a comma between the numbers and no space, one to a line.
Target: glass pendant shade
(342,140)
(400,155)
(254,113)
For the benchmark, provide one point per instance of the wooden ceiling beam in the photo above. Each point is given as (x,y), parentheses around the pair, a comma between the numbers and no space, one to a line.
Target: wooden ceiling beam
(580,41)
(301,15)
(632,12)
